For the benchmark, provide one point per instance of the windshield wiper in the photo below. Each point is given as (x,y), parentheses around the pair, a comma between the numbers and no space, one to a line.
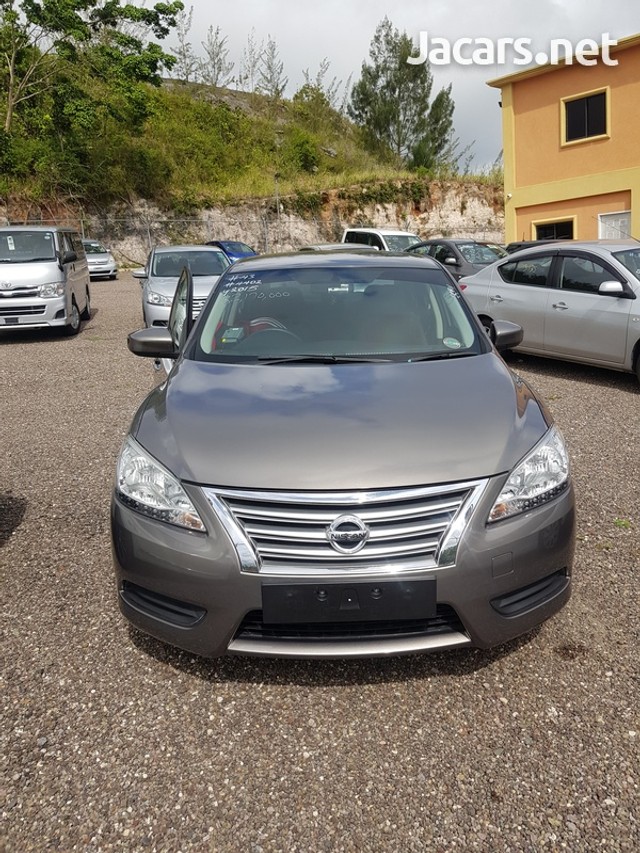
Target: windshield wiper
(435,356)
(321,359)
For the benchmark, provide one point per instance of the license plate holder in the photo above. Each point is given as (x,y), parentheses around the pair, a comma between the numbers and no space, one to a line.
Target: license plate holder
(361,601)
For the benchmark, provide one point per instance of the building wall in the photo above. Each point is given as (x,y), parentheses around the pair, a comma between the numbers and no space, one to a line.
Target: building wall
(540,154)
(547,179)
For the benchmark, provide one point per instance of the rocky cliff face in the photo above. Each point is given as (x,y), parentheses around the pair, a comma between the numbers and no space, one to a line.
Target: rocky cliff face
(429,209)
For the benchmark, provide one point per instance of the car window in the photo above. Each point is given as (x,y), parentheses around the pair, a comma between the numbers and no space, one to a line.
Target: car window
(400,242)
(476,253)
(630,259)
(439,251)
(26,246)
(582,274)
(420,250)
(357,237)
(171,264)
(92,247)
(531,271)
(336,313)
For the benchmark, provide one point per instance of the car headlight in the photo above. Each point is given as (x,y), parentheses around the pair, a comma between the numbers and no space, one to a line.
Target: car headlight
(49,291)
(540,477)
(154,298)
(145,485)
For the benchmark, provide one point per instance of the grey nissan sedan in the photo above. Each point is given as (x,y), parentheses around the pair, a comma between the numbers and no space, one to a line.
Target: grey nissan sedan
(339,464)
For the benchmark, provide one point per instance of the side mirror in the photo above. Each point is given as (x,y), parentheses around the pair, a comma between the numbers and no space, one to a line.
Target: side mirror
(451,261)
(505,335)
(139,273)
(68,258)
(154,342)
(611,288)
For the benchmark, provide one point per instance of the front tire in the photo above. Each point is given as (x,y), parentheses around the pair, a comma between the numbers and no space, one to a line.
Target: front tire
(86,314)
(73,326)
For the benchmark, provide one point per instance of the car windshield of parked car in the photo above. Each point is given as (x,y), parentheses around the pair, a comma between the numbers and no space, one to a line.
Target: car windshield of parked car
(92,247)
(476,253)
(400,242)
(329,314)
(630,259)
(171,264)
(21,247)
(236,248)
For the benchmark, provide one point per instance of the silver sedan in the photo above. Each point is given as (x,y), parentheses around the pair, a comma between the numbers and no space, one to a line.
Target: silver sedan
(575,301)
(160,278)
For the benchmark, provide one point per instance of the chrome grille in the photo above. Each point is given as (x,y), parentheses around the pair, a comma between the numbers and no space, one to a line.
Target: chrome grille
(407,528)
(23,310)
(19,292)
(198,305)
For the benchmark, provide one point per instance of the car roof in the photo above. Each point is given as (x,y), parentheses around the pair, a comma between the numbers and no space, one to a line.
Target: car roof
(384,231)
(43,228)
(604,247)
(307,260)
(191,247)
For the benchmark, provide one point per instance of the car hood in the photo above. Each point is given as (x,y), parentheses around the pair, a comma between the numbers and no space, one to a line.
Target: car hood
(99,257)
(340,427)
(202,285)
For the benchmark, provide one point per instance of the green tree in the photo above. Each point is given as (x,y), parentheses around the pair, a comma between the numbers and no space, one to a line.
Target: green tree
(392,100)
(108,39)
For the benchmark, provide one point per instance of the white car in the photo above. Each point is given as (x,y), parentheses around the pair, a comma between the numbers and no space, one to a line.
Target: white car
(101,262)
(384,239)
(575,301)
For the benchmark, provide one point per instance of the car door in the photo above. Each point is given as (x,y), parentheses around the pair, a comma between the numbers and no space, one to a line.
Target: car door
(519,292)
(583,323)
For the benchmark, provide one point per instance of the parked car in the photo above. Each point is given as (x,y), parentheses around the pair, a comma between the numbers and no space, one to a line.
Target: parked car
(516,245)
(575,301)
(339,464)
(337,247)
(101,262)
(160,278)
(44,278)
(462,257)
(384,239)
(233,249)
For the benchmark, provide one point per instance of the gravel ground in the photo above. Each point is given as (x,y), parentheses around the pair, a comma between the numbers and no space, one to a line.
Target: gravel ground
(112,741)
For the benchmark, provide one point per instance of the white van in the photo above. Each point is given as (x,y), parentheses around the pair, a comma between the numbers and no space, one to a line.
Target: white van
(44,278)
(384,239)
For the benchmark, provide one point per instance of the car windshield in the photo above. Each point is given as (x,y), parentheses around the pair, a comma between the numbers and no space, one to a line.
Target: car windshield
(336,313)
(21,247)
(475,253)
(92,247)
(630,259)
(236,248)
(400,242)
(201,263)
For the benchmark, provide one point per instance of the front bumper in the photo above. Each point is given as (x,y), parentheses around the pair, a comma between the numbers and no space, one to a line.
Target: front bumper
(33,311)
(107,270)
(186,588)
(156,315)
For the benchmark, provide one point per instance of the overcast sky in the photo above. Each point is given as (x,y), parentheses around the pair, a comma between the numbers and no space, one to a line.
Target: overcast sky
(341,30)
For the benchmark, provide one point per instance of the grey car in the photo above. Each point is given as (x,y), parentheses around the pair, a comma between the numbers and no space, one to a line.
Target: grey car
(461,257)
(161,273)
(575,301)
(339,464)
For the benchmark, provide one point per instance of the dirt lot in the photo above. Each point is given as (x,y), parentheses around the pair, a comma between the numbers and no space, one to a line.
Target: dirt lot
(111,741)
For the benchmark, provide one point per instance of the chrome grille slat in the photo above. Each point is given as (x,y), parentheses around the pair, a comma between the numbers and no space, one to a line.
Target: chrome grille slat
(287,531)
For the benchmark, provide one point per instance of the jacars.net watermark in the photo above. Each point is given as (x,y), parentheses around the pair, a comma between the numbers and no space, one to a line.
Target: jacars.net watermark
(515,51)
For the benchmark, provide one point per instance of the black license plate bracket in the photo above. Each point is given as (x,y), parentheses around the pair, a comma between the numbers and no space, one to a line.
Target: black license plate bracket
(361,601)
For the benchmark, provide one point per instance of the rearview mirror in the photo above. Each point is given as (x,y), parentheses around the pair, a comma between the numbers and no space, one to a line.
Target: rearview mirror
(611,288)
(505,335)
(154,342)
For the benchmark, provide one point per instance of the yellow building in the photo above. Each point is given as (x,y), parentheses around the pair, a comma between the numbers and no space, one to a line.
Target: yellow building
(572,148)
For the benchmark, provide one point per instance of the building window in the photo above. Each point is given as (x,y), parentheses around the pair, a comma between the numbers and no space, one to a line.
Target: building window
(555,231)
(586,117)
